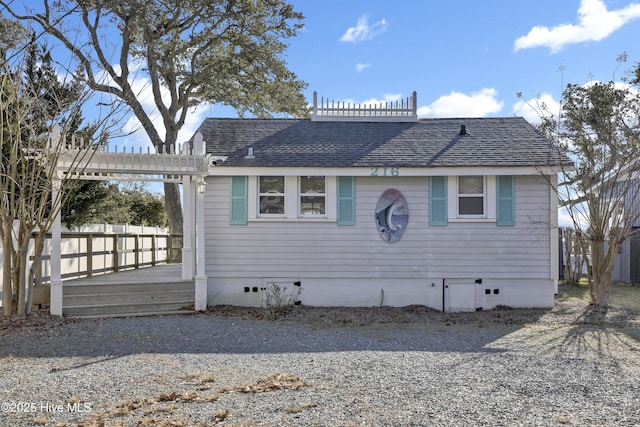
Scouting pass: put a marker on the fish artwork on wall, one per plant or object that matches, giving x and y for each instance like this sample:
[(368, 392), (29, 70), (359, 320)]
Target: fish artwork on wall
[(392, 215)]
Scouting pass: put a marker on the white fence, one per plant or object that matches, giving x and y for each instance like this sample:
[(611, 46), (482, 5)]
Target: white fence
[(102, 248)]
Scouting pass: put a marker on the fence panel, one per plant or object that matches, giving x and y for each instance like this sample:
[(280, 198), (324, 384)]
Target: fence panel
[(105, 248)]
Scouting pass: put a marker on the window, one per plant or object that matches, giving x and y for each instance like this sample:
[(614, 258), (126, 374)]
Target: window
[(271, 195), (471, 196), (312, 195), (290, 198)]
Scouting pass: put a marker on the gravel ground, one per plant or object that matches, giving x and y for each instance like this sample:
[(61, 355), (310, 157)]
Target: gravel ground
[(412, 366)]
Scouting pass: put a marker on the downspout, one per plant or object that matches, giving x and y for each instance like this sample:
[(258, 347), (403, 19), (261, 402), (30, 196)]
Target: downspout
[(443, 286)]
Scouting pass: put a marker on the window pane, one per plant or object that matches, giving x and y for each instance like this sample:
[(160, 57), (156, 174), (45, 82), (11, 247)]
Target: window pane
[(271, 204), (272, 184), (470, 185), (312, 184), (312, 205), (471, 206)]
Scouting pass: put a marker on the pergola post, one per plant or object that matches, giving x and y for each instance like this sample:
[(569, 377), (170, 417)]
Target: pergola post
[(55, 259), (187, 228), (200, 278), (201, 297)]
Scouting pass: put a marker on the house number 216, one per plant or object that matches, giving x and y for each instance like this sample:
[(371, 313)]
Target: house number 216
[(385, 171)]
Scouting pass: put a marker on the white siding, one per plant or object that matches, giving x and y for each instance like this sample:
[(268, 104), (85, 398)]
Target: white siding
[(353, 265)]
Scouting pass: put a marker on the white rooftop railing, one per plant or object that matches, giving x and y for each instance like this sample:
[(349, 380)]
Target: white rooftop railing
[(404, 110)]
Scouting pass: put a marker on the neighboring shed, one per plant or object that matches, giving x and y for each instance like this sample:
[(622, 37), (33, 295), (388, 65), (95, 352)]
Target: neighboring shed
[(372, 206)]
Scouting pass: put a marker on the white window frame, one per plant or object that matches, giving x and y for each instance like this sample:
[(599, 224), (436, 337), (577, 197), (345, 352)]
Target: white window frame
[(283, 195), (292, 201), (312, 194), (483, 195), (489, 200)]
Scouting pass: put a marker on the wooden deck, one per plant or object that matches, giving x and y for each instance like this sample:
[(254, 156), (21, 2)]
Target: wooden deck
[(165, 273), (145, 291)]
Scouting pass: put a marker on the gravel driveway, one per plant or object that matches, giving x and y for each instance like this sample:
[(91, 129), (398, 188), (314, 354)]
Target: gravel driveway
[(325, 367)]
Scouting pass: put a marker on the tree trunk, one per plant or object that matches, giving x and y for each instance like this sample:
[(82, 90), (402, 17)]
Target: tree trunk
[(7, 293), (24, 237), (600, 277), (38, 246), (601, 287), (15, 275), (173, 207)]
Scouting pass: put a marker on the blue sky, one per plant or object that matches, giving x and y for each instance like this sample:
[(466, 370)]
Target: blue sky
[(464, 58)]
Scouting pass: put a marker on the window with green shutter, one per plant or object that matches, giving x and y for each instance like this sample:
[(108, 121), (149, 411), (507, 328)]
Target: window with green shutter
[(346, 200), (238, 205), (438, 201), (505, 199)]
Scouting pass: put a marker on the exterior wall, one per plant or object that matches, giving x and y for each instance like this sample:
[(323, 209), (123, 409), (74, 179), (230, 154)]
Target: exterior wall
[(622, 269), (627, 265), (354, 266)]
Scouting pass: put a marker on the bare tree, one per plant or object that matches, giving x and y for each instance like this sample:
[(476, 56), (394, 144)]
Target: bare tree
[(30, 198), (192, 52), (574, 258), (599, 129)]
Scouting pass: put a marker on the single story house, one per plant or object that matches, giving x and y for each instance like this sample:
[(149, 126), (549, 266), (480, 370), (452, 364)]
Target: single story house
[(371, 206)]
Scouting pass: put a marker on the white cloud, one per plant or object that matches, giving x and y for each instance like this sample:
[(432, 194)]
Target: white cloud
[(385, 98), (362, 31), (595, 23), (535, 108), (392, 97), (361, 67), (457, 104)]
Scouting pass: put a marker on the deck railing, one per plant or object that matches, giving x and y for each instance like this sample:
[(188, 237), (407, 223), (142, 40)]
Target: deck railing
[(85, 254)]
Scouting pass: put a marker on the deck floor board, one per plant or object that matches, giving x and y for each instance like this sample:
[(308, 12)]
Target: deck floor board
[(168, 273)]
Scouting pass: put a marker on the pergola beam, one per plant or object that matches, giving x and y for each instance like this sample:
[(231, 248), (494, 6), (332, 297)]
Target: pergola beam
[(189, 166)]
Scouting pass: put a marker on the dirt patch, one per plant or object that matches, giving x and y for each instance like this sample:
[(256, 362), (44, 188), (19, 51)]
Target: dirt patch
[(565, 312), (38, 319)]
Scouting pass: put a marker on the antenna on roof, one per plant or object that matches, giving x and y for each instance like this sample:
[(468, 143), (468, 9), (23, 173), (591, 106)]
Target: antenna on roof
[(463, 130)]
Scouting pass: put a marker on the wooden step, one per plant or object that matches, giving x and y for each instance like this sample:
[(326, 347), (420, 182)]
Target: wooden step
[(107, 288), (137, 314), (121, 310), (126, 299), (148, 291)]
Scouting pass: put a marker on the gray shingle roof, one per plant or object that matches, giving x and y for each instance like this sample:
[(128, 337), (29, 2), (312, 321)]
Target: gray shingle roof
[(501, 142)]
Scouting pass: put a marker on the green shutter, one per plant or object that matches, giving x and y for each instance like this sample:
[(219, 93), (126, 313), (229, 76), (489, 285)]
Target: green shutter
[(505, 209), (346, 200), (438, 201), (238, 204)]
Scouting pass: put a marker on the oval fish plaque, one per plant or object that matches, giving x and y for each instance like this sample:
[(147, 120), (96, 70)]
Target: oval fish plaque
[(392, 215)]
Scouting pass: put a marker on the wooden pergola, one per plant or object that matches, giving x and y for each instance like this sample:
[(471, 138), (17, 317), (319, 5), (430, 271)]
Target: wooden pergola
[(188, 166)]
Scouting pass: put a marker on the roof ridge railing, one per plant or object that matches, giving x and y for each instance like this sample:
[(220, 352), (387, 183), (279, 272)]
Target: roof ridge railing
[(404, 110)]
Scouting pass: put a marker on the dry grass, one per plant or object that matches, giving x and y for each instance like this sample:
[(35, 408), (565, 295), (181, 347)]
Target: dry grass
[(163, 410), (221, 415), (300, 408), (202, 380), (624, 295), (277, 381)]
